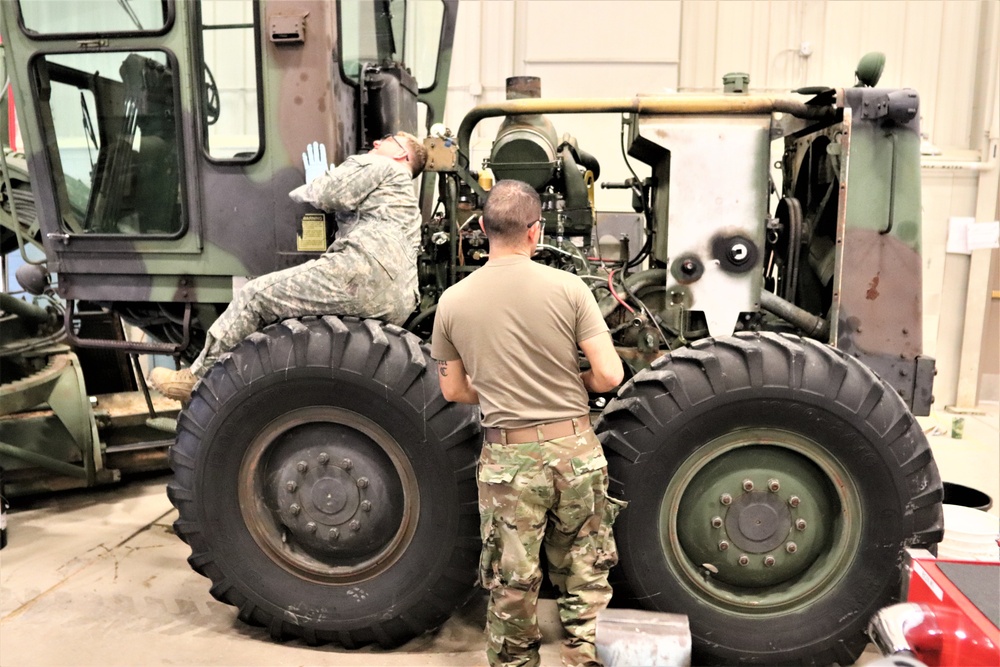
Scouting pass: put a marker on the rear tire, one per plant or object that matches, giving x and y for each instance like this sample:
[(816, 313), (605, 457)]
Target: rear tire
[(766, 578), (326, 487)]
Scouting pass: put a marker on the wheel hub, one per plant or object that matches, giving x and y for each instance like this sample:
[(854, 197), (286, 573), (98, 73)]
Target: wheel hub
[(333, 510), (758, 522), (753, 517), (327, 493)]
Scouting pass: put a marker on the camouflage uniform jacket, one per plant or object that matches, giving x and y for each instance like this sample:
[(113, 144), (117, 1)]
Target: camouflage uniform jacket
[(373, 199)]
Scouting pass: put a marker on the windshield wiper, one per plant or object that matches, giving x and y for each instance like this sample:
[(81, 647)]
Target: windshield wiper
[(127, 6), (385, 39)]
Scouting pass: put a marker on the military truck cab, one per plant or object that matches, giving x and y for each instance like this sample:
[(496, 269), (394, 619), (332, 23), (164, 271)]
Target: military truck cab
[(163, 136)]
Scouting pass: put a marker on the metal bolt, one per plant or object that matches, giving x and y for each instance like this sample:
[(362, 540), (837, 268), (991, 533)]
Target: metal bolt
[(744, 560), (346, 464), (334, 533), (324, 458), (291, 486), (311, 527), (716, 522), (769, 561), (302, 466), (773, 485), (355, 525), (791, 547), (748, 485), (726, 499), (366, 506), (801, 524), (600, 402), (294, 508), (362, 482), (723, 545), (794, 501)]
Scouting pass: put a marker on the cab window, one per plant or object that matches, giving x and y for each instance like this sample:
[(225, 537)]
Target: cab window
[(375, 31), (75, 17), (231, 101), (110, 121)]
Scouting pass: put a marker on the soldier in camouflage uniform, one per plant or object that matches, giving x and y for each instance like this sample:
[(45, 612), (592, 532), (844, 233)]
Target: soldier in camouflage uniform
[(506, 338), (369, 271)]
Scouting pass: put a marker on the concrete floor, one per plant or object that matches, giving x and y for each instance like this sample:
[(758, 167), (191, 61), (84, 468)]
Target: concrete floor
[(98, 578)]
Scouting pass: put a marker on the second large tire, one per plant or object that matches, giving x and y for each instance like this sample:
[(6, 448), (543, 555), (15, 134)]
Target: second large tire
[(326, 487), (773, 484)]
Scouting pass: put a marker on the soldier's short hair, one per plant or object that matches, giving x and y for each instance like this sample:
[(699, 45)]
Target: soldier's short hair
[(415, 149), (511, 207)]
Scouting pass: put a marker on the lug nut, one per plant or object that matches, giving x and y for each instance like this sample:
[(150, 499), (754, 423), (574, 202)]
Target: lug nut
[(355, 525), (311, 527), (723, 545), (346, 464), (800, 524), (716, 522), (294, 508), (744, 560), (773, 485), (791, 547), (726, 499), (794, 501), (748, 485), (366, 506), (290, 486), (769, 561), (302, 466), (362, 482), (334, 533), (324, 458)]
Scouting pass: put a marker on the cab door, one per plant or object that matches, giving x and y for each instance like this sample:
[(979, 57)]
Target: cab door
[(104, 104)]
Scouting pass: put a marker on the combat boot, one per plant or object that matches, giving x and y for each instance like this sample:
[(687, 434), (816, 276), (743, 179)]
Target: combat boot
[(173, 384)]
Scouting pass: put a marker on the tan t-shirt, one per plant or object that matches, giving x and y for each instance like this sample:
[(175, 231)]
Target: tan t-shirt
[(515, 325)]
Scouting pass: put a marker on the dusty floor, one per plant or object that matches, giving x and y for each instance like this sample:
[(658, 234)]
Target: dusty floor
[(98, 578)]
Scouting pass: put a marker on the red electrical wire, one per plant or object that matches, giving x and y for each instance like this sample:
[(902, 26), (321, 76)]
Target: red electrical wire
[(611, 288)]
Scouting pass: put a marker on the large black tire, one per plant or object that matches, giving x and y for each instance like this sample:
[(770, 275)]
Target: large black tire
[(838, 467), (326, 487)]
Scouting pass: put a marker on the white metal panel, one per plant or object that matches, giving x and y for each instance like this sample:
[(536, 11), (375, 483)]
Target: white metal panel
[(604, 30), (718, 188)]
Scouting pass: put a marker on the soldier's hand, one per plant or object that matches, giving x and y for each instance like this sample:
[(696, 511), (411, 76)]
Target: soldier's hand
[(314, 160)]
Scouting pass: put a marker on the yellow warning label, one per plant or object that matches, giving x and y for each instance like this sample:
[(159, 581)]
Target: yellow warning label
[(313, 236)]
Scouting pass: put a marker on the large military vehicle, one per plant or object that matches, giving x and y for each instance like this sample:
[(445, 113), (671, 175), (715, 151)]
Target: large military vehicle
[(767, 310)]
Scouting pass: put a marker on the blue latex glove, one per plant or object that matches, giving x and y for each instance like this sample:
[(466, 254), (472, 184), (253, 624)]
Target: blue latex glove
[(314, 160)]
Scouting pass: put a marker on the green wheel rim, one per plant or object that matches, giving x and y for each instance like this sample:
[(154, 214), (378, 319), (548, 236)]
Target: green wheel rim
[(760, 521), (328, 495)]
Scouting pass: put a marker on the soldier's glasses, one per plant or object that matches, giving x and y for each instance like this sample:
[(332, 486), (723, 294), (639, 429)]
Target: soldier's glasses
[(540, 222), (404, 155)]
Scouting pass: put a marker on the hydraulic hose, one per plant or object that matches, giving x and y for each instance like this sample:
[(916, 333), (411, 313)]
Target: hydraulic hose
[(813, 326)]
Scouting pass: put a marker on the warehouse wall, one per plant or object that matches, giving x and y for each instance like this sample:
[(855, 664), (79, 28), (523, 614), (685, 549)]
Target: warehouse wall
[(946, 49)]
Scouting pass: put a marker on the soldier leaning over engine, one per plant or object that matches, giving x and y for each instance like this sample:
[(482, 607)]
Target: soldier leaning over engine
[(369, 271)]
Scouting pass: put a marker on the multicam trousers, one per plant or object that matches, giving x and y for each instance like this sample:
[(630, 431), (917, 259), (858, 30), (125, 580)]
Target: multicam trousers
[(345, 281), (553, 493)]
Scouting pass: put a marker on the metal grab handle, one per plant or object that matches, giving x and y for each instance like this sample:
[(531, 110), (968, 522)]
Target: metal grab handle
[(125, 345)]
